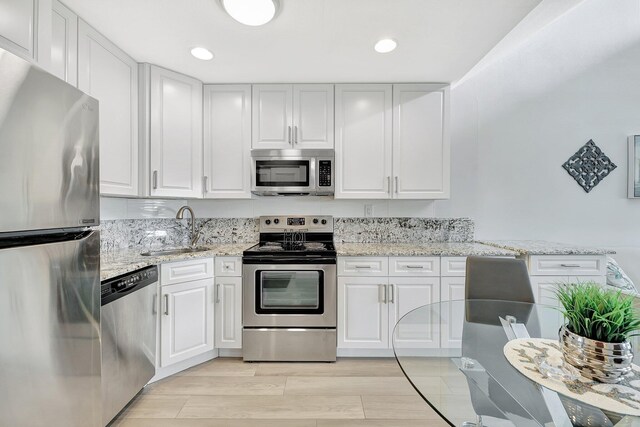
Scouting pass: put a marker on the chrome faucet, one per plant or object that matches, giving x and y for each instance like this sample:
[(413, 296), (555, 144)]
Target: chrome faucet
[(180, 215)]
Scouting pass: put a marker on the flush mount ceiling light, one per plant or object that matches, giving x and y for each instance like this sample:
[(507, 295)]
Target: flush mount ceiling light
[(385, 45), (251, 12), (202, 53)]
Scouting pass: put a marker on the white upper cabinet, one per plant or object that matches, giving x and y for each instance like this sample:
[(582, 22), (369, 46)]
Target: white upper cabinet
[(363, 141), (293, 116), (272, 116), (25, 26), (313, 116), (111, 76), (175, 134), (420, 141), (64, 43), (227, 141)]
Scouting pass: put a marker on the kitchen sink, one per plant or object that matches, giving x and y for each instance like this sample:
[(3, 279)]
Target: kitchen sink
[(174, 251)]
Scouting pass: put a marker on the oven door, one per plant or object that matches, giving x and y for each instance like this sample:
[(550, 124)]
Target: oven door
[(289, 295), (283, 175)]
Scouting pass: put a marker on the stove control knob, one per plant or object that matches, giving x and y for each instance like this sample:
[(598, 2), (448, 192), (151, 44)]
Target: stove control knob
[(315, 220), (268, 222), (276, 221), (324, 222)]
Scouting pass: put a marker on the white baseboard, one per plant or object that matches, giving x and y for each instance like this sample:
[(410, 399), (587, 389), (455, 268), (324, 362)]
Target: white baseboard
[(181, 366), (365, 352), (229, 352)]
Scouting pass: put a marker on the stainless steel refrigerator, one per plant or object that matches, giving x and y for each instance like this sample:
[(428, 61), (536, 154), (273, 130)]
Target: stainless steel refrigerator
[(49, 253)]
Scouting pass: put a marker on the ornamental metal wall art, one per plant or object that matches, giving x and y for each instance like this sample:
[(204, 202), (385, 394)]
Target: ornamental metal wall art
[(589, 166)]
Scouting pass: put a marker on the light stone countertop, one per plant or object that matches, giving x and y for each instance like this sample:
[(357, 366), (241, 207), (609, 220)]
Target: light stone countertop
[(115, 263), (421, 249), (540, 247)]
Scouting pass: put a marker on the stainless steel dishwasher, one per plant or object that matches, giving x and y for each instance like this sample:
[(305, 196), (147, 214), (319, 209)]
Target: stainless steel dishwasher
[(128, 334)]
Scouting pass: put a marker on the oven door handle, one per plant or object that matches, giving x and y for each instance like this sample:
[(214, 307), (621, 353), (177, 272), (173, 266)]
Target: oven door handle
[(280, 260)]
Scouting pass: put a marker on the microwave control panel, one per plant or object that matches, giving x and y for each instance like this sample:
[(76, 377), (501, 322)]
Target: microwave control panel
[(324, 168)]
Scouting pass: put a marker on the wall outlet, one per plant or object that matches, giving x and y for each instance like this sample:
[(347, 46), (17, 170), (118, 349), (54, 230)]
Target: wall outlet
[(368, 211)]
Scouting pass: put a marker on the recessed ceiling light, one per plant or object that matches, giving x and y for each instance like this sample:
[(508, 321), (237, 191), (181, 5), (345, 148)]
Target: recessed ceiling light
[(251, 12), (202, 53), (385, 45)]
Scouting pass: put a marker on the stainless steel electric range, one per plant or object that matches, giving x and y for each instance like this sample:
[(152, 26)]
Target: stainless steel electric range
[(289, 284)]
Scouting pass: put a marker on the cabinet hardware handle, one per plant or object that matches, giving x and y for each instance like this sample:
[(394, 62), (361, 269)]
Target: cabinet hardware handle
[(155, 180), (414, 266), (392, 293), (295, 134), (166, 304), (362, 266), (154, 310), (382, 293), (570, 265), (218, 293), (289, 130), (388, 184), (396, 185), (205, 179)]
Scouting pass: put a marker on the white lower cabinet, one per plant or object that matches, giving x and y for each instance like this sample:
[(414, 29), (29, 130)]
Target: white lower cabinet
[(370, 306), (451, 289), (409, 293), (363, 315), (545, 287), (228, 323), (186, 314)]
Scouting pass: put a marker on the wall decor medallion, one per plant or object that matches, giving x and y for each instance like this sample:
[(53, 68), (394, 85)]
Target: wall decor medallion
[(589, 166)]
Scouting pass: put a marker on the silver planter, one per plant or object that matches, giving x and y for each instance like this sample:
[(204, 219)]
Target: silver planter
[(597, 360)]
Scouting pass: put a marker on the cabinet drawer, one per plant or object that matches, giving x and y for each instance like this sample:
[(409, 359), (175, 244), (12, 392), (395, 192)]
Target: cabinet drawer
[(567, 265), (185, 271), (228, 266), (363, 266), (414, 266), (453, 266)]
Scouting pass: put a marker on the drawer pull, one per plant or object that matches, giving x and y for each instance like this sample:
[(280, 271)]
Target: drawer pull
[(570, 265), (362, 266), (414, 266)]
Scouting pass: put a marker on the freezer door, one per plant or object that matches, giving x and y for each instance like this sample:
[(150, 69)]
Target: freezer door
[(48, 150), (50, 334)]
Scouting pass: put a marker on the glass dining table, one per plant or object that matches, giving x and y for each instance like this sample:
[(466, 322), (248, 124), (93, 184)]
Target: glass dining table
[(452, 353)]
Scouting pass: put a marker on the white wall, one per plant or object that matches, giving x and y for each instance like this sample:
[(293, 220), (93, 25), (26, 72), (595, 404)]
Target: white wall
[(519, 118), (119, 208)]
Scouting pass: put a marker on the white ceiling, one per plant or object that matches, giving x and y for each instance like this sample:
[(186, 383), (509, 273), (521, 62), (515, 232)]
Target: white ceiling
[(310, 40)]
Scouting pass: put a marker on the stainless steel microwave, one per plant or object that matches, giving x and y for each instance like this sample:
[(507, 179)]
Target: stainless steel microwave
[(292, 172)]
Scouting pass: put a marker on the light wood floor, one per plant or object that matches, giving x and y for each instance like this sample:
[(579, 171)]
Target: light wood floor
[(230, 393)]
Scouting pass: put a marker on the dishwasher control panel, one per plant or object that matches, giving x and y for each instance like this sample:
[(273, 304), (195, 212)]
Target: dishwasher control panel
[(113, 289)]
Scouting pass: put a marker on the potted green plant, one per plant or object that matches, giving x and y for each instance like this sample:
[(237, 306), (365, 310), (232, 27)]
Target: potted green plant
[(595, 338)]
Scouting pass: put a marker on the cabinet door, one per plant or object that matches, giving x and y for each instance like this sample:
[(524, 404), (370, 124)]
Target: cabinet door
[(176, 134), (363, 141), (420, 141), (451, 289), (313, 116), (227, 141), (228, 322), (272, 107), (186, 327), (111, 76), (363, 314), (406, 294), (64, 43), (18, 27)]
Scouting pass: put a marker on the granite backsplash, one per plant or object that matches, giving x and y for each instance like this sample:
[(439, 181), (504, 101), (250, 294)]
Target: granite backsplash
[(403, 230), (156, 233)]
